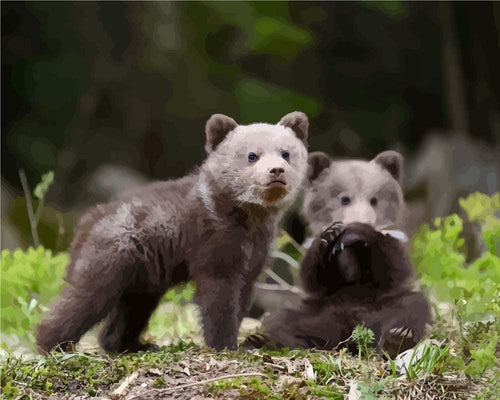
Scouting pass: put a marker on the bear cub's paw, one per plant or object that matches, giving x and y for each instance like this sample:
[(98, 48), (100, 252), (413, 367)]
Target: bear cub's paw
[(331, 233), (255, 341), (397, 340), (147, 347), (339, 236)]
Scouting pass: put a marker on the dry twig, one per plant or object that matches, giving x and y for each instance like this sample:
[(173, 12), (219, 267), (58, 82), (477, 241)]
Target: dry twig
[(187, 385), (118, 393), (29, 205)]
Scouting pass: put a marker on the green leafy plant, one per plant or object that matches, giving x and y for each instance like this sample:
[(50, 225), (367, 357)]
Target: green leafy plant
[(485, 210), (483, 357), (431, 361), (372, 390), (363, 337), (473, 287), (40, 191), (29, 281)]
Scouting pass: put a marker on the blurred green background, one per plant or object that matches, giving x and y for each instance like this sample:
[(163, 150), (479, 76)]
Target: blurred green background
[(113, 93)]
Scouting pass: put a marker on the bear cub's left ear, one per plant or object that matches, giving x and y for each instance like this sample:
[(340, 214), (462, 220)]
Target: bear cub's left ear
[(216, 129), (297, 121), (393, 162)]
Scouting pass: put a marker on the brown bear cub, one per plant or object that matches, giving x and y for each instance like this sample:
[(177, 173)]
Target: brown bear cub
[(214, 226), (355, 272)]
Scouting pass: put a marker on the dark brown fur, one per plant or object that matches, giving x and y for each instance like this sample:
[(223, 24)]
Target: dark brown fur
[(366, 283), (127, 253), (124, 287)]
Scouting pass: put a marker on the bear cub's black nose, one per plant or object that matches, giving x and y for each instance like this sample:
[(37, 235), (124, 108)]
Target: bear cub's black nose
[(277, 171)]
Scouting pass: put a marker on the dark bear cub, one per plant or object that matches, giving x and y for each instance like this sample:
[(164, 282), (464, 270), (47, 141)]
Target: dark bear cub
[(213, 226), (353, 275)]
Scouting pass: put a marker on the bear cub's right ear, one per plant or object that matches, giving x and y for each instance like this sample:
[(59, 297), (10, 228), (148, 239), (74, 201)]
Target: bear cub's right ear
[(216, 129), (298, 122), (318, 161)]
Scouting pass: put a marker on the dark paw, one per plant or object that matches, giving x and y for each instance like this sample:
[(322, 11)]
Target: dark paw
[(331, 234), (315, 342), (398, 340), (143, 347), (255, 341), (150, 347), (355, 233)]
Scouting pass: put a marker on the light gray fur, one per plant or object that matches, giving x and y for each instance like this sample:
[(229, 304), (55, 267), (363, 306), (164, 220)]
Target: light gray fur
[(359, 180)]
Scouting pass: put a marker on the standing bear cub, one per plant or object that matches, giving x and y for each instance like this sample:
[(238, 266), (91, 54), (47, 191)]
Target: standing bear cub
[(214, 226), (354, 272)]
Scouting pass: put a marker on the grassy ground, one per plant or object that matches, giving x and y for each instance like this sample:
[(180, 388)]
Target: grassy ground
[(187, 371)]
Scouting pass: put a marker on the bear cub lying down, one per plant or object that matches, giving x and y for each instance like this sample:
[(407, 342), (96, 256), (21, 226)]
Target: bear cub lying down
[(365, 276)]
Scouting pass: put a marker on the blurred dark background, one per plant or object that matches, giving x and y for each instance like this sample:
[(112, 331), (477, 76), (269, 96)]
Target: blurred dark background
[(112, 94)]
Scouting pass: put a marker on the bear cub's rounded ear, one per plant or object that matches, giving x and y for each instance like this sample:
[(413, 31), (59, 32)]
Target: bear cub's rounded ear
[(318, 161), (298, 122), (393, 162), (216, 129)]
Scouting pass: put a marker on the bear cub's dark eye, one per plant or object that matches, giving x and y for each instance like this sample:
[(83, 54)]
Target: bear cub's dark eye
[(285, 155), (345, 200), (373, 201), (252, 157)]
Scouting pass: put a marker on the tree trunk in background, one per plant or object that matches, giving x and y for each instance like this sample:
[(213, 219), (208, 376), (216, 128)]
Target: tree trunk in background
[(452, 70)]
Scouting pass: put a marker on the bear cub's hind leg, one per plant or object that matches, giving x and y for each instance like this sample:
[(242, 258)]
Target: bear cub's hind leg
[(122, 327)]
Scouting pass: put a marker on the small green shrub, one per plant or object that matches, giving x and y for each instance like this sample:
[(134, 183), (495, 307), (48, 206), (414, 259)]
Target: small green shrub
[(485, 210), (29, 281), (363, 337), (473, 287), (439, 257)]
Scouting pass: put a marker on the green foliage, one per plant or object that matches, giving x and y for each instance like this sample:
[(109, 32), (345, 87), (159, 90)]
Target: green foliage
[(225, 384), (326, 368), (483, 357), (67, 373), (431, 361), (181, 293), (267, 28), (440, 260), (42, 188), (29, 281), (176, 317), (472, 287), (324, 392), (372, 390), (485, 210), (363, 337), (159, 382), (267, 100), (479, 206), (397, 10), (253, 388), (57, 373)]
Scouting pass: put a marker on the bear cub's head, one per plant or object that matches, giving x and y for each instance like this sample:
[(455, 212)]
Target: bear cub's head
[(259, 164), (350, 191)]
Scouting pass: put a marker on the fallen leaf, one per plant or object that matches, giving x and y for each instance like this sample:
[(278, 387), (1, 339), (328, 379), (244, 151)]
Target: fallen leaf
[(309, 370), (155, 371), (354, 393)]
